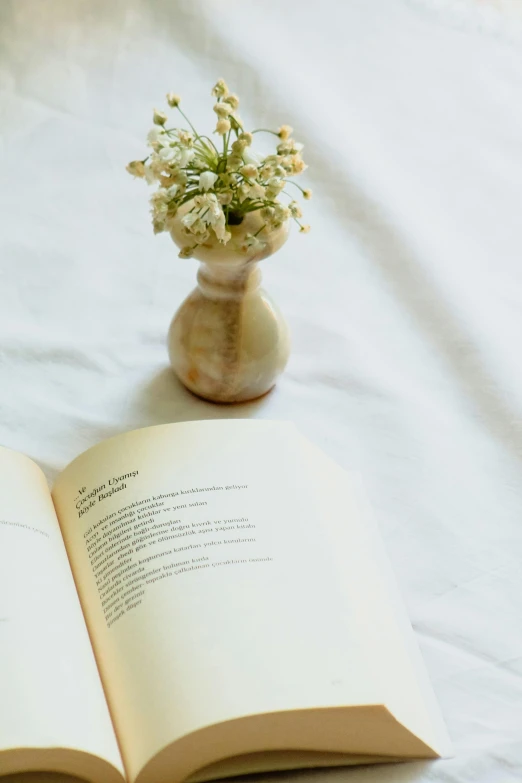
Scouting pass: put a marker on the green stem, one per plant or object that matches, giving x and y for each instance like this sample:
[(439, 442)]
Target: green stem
[(226, 138), (290, 182), (265, 130), (189, 122)]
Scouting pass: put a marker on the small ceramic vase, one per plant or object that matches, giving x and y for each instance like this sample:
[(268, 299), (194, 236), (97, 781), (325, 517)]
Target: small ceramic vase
[(228, 341)]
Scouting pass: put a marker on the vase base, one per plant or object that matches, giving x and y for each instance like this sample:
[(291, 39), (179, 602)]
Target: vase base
[(222, 397)]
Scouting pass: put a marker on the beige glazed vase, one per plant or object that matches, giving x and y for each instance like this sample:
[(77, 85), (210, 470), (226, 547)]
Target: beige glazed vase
[(228, 341)]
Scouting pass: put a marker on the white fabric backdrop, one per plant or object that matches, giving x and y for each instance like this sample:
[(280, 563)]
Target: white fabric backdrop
[(405, 301)]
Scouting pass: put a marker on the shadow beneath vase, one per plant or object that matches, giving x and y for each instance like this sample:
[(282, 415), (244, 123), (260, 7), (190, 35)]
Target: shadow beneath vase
[(164, 399)]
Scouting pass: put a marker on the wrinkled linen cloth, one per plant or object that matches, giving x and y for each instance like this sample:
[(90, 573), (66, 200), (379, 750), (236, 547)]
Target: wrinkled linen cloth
[(404, 301)]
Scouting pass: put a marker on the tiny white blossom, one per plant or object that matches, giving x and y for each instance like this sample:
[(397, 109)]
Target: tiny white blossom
[(307, 194), (159, 117), (284, 132), (304, 229), (207, 180), (186, 252), (252, 244), (239, 145), (168, 153), (243, 192), (257, 191), (222, 109), (185, 138), (249, 171), (220, 89), (266, 171), (150, 176), (281, 214), (295, 209), (225, 197), (136, 168), (233, 100), (185, 156), (155, 135), (274, 187), (223, 126), (298, 165), (290, 147), (173, 100), (234, 163)]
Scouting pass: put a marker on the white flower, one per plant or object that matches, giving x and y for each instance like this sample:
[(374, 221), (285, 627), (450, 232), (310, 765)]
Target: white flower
[(223, 126), (169, 153), (186, 139), (307, 194), (179, 177), (220, 231), (155, 136), (249, 171), (266, 171), (225, 197), (220, 89), (199, 227), (257, 191), (208, 201), (190, 218), (284, 132), (243, 192), (207, 180), (252, 244), (281, 214), (185, 156), (186, 252), (159, 117), (136, 168), (222, 109), (298, 165), (172, 191), (173, 100), (160, 196), (150, 176), (199, 163), (227, 179), (233, 100), (274, 187), (234, 163), (239, 145), (304, 229), (295, 209), (290, 147), (236, 120)]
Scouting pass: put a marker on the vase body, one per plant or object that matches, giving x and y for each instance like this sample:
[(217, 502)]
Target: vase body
[(228, 342)]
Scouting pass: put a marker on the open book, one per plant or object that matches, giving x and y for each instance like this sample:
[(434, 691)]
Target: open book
[(200, 600)]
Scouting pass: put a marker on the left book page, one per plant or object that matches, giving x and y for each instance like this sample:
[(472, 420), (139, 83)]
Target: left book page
[(53, 712)]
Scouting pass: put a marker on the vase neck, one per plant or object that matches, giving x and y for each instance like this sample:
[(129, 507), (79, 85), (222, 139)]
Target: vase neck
[(228, 281)]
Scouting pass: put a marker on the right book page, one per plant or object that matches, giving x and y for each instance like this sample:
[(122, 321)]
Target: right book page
[(234, 601)]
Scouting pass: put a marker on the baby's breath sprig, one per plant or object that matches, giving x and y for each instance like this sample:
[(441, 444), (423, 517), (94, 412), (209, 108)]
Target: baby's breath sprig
[(222, 185)]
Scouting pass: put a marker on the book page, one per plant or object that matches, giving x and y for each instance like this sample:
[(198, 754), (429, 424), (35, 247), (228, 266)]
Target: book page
[(208, 584), (51, 696)]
